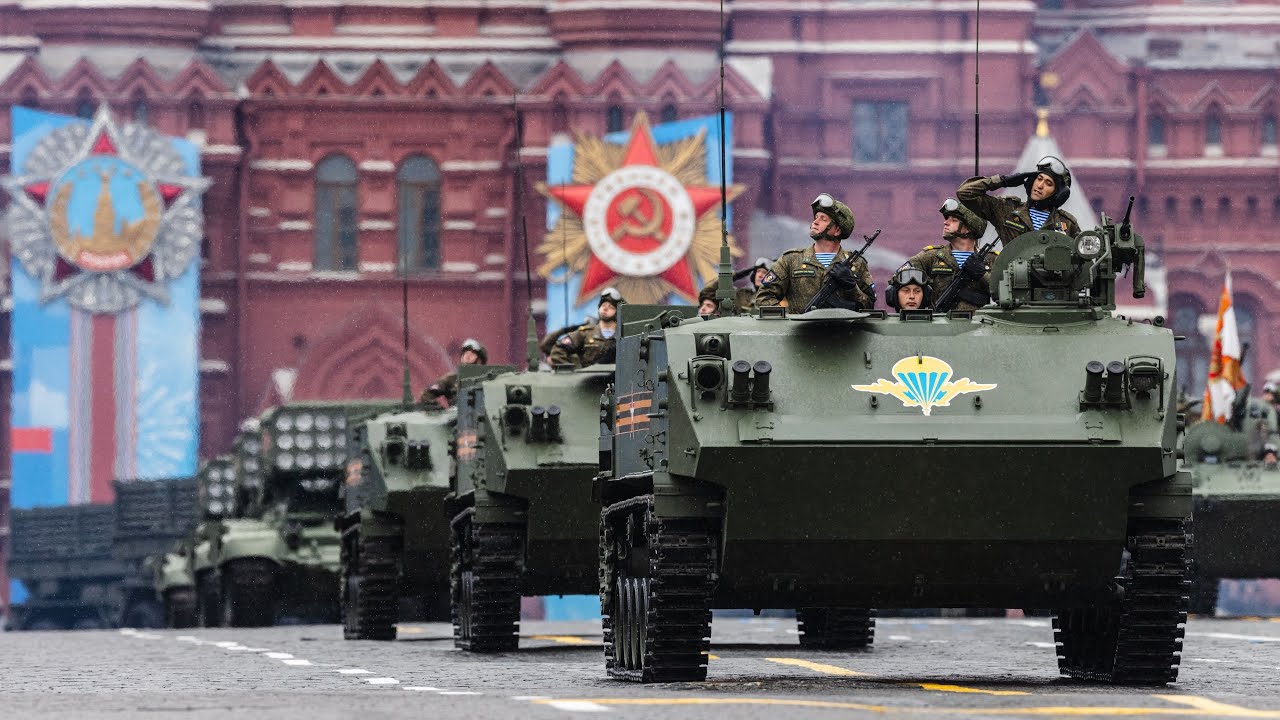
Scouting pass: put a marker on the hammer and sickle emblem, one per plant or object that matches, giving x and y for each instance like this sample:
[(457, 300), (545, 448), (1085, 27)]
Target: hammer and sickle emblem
[(634, 222)]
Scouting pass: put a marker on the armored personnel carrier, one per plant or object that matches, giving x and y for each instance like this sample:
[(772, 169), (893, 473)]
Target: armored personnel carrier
[(834, 461), (395, 536), (1237, 500), (522, 517)]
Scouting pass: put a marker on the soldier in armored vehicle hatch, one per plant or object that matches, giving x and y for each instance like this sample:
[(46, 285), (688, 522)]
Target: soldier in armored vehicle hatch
[(1048, 187), (445, 390), (957, 260), (909, 290), (591, 344), (798, 275)]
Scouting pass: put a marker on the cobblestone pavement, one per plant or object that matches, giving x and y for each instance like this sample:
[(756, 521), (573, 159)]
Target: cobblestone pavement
[(954, 668)]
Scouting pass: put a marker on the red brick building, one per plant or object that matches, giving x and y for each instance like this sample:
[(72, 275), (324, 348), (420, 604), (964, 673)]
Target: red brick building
[(345, 139)]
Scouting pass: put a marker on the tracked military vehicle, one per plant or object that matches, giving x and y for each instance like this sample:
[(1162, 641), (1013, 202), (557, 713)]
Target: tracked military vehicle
[(151, 516), (522, 517), (217, 481), (1237, 500), (395, 536), (835, 461)]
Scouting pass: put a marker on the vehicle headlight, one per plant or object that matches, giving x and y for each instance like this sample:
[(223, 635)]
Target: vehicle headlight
[(323, 423), (340, 422), (304, 422), (306, 461), (285, 442), (216, 490), (284, 423), (340, 441), (1089, 246), (284, 461), (305, 442), (324, 442), (216, 508), (325, 459)]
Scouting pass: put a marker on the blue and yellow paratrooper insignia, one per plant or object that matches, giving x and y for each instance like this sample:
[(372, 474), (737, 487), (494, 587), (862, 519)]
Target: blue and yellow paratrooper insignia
[(924, 382)]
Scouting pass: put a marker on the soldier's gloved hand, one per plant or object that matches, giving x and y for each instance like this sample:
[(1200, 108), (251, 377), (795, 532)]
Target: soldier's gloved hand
[(974, 267), (842, 275), (1017, 179)]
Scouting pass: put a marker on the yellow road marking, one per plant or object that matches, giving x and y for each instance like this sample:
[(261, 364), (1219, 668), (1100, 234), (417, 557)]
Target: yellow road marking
[(566, 639), (962, 689), (816, 667), (712, 657), (1209, 709), (411, 630)]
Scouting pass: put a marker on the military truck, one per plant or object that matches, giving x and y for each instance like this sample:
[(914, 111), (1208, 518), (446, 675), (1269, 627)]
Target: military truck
[(1237, 499), (286, 563), (395, 536), (834, 461), (150, 517), (523, 521), (65, 558)]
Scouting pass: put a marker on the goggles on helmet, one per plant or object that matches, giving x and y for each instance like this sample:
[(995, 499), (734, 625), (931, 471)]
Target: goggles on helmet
[(1053, 165), (824, 201), (471, 344), (907, 276), (611, 294), (950, 206), (763, 262)]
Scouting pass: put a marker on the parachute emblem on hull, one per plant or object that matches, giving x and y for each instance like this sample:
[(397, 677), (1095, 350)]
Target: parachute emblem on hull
[(925, 382)]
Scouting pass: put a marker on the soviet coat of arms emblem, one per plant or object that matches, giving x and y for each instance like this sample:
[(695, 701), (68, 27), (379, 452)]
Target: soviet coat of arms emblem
[(104, 215)]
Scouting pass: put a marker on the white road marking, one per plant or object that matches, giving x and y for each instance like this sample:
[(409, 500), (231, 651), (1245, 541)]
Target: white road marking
[(899, 637), (1233, 636), (420, 688), (296, 661), (382, 681), (578, 706), (355, 671), (460, 692), (226, 644), (531, 697), (1046, 645), (257, 650), (278, 656)]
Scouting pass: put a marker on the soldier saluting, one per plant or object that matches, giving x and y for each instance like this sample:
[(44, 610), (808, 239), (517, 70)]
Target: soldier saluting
[(798, 275), (1048, 187), (957, 260), (445, 390)]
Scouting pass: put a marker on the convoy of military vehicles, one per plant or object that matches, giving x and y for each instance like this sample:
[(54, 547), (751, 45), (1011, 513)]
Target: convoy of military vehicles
[(830, 462)]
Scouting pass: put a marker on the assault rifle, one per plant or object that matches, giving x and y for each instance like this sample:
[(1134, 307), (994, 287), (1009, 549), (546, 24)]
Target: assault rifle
[(951, 294), (829, 285)]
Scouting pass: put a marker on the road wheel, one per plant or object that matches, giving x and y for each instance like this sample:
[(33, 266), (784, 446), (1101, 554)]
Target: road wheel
[(487, 560), (656, 581), (180, 608), (249, 593), (836, 628)]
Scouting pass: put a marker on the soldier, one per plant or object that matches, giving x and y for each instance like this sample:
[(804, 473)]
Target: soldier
[(591, 344), (1048, 187), (908, 290), (548, 341), (943, 264), (798, 275), (445, 390)]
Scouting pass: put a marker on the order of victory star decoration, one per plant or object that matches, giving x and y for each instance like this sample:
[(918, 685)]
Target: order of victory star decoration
[(641, 217), (104, 215)]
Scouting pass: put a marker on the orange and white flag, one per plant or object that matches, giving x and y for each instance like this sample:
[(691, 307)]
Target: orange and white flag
[(1225, 377)]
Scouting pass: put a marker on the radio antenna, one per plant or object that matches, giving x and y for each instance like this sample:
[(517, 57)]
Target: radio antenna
[(977, 31), (531, 349), (407, 389), (724, 285)]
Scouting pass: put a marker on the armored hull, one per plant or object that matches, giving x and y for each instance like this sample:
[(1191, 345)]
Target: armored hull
[(523, 520)]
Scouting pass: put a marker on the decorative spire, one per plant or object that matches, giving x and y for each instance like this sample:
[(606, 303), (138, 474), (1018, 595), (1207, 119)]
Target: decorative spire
[(1042, 122)]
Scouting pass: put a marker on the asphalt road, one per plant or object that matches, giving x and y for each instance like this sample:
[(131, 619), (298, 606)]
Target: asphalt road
[(952, 668)]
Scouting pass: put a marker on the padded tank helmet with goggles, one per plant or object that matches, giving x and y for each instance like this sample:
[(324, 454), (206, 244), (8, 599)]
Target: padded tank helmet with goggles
[(839, 213), (474, 346), (1055, 168), (954, 208), (908, 276), (610, 295)]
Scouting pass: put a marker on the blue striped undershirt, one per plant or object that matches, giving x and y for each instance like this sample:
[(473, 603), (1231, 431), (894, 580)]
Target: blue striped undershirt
[(961, 255), (825, 258), (1038, 217)]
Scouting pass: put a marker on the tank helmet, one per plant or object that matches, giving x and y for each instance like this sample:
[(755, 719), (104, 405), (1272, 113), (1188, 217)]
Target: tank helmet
[(908, 275), (839, 213), (956, 209), (474, 346), (610, 295), (1055, 168)]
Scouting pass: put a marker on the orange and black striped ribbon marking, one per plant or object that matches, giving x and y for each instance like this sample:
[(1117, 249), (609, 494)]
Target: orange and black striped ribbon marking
[(467, 444), (632, 414)]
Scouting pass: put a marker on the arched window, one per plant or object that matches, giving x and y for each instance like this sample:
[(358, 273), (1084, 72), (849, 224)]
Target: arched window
[(670, 113), (195, 113), (337, 217), (1269, 131), (139, 108), (613, 119), (1193, 353), (1155, 131), (85, 105), (418, 193), (1213, 128)]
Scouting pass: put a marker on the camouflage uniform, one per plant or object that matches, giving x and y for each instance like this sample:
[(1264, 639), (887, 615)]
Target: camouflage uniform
[(1009, 214), (745, 298), (797, 276), (941, 269), (548, 342), (582, 347), (446, 387)]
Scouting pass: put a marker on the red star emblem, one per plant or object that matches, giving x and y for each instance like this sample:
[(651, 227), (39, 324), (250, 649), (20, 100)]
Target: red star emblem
[(638, 219)]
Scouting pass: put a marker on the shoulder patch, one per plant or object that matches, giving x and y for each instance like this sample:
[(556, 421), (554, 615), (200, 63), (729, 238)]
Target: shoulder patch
[(769, 277), (932, 247)]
